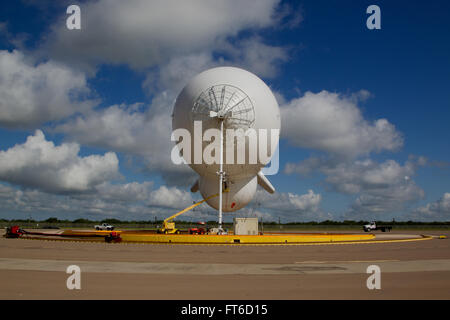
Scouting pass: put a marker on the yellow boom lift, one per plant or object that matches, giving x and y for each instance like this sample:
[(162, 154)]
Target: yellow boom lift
[(169, 225)]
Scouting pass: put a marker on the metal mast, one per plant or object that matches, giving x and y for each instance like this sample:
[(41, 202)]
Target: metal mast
[(221, 173)]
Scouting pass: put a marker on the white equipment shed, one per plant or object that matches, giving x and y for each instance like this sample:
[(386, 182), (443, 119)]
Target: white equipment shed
[(245, 226)]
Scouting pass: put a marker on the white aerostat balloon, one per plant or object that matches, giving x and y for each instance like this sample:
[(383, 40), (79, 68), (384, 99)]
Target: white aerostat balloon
[(242, 102)]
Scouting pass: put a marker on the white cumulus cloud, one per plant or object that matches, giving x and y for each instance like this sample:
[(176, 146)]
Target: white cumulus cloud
[(435, 211), (40, 164), (333, 123), (384, 187), (144, 33), (170, 198), (31, 95), (138, 132), (290, 201), (287, 205)]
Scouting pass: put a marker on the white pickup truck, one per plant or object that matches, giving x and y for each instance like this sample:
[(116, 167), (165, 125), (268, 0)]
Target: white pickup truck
[(104, 226), (373, 226)]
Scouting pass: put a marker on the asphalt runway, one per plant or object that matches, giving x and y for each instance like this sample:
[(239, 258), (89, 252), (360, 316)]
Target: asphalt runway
[(36, 269)]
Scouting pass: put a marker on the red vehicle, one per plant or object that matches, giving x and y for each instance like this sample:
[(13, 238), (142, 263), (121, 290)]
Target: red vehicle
[(14, 232), (198, 230)]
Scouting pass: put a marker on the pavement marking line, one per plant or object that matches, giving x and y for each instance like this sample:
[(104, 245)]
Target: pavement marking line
[(221, 268), (345, 261)]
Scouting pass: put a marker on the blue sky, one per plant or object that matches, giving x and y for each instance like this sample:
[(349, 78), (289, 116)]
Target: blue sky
[(116, 80)]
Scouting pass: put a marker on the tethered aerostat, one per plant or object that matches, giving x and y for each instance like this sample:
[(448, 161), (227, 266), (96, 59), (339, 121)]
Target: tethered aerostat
[(229, 121)]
